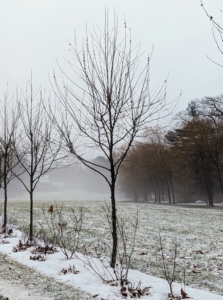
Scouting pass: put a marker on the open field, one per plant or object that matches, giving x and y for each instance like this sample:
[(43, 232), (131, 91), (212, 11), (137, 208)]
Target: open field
[(198, 230)]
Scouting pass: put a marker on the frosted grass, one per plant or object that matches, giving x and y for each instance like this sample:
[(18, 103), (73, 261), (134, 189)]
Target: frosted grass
[(199, 230)]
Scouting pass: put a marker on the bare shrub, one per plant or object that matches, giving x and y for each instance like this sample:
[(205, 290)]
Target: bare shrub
[(62, 230), (22, 246), (7, 229), (96, 256), (44, 237), (168, 256), (25, 235)]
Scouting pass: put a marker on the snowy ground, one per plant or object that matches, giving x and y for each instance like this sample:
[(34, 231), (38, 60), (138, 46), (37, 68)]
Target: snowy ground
[(86, 281), (19, 282), (199, 232)]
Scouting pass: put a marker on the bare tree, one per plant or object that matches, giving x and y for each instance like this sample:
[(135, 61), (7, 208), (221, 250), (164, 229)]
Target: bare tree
[(212, 107), (217, 31), (38, 149), (169, 265), (107, 103), (9, 119)]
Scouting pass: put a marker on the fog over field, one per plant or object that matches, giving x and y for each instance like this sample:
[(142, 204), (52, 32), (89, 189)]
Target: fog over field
[(69, 183)]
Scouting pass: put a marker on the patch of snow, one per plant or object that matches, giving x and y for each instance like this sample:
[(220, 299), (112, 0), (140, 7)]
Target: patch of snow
[(89, 283)]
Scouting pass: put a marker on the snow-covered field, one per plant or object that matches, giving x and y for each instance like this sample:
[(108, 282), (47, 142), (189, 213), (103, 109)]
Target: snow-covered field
[(198, 231)]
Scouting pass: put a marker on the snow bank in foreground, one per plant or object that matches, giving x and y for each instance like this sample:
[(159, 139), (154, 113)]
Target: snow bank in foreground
[(89, 283)]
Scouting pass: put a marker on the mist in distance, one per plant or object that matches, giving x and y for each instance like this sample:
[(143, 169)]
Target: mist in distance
[(73, 182)]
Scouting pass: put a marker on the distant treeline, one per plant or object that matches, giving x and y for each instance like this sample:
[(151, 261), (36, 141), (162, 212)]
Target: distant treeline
[(182, 164)]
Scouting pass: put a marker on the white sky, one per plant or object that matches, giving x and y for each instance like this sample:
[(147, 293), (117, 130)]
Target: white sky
[(34, 34)]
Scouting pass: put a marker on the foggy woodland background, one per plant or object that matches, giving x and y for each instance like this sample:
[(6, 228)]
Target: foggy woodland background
[(181, 164)]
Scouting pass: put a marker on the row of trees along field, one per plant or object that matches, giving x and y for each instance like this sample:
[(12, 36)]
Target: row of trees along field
[(105, 102), (104, 105), (29, 145), (182, 164)]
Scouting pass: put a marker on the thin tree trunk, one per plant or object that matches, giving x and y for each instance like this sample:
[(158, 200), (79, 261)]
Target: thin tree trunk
[(210, 199), (220, 178), (172, 189), (210, 194), (31, 181), (5, 203), (5, 195), (168, 191), (114, 227), (155, 194), (216, 163), (31, 210), (135, 196), (31, 217), (209, 187), (158, 191), (162, 196)]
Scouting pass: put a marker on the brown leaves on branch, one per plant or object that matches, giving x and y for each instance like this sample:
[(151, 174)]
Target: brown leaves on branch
[(183, 294), (70, 269), (50, 210)]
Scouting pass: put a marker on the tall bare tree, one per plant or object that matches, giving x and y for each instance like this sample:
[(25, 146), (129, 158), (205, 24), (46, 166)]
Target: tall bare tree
[(38, 149), (107, 103), (9, 121)]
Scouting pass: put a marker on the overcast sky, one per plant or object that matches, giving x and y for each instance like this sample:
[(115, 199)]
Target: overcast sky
[(34, 34)]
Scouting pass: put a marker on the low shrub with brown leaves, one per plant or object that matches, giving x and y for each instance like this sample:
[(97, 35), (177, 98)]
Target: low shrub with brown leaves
[(4, 241), (130, 290), (44, 249), (70, 269), (22, 246), (174, 297), (6, 231), (38, 257), (184, 295)]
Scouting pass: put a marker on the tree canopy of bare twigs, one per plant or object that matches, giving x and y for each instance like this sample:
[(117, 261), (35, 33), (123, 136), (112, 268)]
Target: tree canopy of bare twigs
[(217, 30), (212, 107), (107, 103)]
